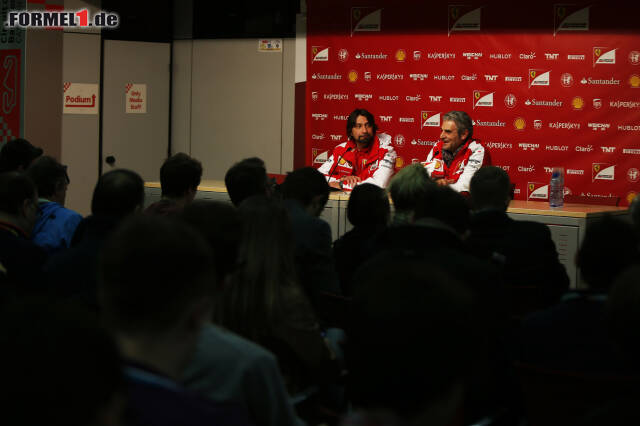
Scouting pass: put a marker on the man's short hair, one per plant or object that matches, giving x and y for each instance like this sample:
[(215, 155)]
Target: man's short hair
[(490, 187), (48, 175), (599, 264), (17, 154), (179, 174), (117, 193), (462, 120), (15, 187), (305, 184), (368, 206), (351, 120), (246, 178), (446, 205), (153, 269), (409, 185), (221, 226), (424, 300)]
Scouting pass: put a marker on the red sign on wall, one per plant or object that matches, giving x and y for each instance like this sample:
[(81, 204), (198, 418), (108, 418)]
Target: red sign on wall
[(546, 85)]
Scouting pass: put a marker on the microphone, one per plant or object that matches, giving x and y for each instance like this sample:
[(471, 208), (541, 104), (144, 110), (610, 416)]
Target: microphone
[(338, 162)]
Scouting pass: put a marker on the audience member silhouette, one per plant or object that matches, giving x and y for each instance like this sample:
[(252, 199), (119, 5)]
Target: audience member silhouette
[(21, 261), (265, 302), (572, 335), (522, 249), (56, 225), (227, 367), (17, 154), (179, 179), (407, 187), (413, 345), (246, 178), (305, 192), (73, 273), (157, 315), (623, 315), (58, 367), (368, 211)]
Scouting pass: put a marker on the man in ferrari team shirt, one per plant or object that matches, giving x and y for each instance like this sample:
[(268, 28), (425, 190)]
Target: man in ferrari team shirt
[(457, 156), (366, 157)]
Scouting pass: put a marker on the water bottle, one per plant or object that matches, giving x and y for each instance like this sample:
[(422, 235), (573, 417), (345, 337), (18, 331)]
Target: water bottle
[(556, 187)]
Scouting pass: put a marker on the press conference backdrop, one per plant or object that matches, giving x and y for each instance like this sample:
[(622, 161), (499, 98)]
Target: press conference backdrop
[(546, 84)]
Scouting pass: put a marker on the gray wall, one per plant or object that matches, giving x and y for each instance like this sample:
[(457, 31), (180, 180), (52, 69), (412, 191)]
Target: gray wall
[(241, 103)]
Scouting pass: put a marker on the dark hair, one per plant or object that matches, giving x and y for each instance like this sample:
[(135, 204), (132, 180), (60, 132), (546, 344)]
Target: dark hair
[(304, 184), (462, 120), (410, 185), (598, 261), (17, 154), (179, 174), (117, 193), (75, 364), (48, 175), (246, 178), (446, 205), (221, 226), (490, 187), (254, 302), (424, 300), (351, 120), (15, 187), (138, 298), (368, 206)]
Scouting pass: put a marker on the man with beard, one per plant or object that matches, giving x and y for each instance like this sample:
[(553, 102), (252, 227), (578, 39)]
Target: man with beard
[(366, 157)]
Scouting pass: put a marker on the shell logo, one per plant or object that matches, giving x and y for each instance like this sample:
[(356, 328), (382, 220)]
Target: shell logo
[(401, 55), (353, 76), (577, 103), (399, 162), (634, 81), (519, 123), (631, 196)]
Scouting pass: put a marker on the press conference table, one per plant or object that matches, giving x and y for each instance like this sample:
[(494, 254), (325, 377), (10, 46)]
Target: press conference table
[(567, 224)]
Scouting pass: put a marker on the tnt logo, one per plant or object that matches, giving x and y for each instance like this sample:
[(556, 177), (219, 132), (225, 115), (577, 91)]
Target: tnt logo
[(435, 98), (491, 77), (386, 118)]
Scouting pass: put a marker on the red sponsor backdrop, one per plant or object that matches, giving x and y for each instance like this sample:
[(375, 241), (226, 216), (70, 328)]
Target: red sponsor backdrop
[(546, 84)]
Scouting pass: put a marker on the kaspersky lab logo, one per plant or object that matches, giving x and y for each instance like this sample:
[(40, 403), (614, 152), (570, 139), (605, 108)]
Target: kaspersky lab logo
[(60, 19)]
